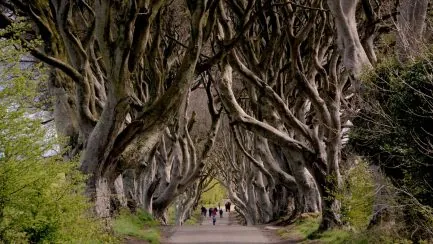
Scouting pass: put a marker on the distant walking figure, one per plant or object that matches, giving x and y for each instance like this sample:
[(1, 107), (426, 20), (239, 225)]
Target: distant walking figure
[(210, 212), (228, 204), (214, 213), (221, 212), (203, 211)]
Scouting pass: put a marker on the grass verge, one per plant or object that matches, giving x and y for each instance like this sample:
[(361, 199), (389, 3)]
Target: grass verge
[(140, 225), (301, 229), (304, 230)]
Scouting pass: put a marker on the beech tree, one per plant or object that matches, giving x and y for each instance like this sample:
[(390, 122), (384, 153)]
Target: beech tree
[(184, 161), (299, 103), (287, 74), (36, 189), (411, 24), (122, 81), (188, 202), (300, 106), (258, 196), (353, 54)]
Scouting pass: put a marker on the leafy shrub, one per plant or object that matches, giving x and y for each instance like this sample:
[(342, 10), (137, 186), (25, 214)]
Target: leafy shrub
[(146, 218), (41, 198), (140, 225), (394, 131), (358, 196)]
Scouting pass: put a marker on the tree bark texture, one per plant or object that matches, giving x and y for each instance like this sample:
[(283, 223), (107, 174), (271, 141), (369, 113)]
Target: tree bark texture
[(306, 93), (103, 48), (354, 57), (410, 28)]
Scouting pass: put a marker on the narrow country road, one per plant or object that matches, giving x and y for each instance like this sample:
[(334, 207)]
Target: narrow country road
[(226, 230)]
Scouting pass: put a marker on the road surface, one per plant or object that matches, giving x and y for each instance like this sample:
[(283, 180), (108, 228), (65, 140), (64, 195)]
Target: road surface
[(225, 231)]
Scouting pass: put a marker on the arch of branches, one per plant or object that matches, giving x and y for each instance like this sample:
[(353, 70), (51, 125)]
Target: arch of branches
[(158, 97)]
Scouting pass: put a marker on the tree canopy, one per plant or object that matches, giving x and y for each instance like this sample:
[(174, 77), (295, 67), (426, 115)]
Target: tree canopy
[(159, 98)]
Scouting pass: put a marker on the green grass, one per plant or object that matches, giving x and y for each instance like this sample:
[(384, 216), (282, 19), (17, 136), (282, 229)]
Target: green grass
[(307, 226), (304, 230), (140, 225), (301, 229), (379, 235), (357, 201), (336, 236)]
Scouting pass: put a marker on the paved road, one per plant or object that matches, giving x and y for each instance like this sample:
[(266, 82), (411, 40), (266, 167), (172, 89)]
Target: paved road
[(225, 231)]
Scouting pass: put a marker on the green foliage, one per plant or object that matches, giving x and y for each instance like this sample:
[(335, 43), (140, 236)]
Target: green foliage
[(195, 218), (305, 230), (304, 227), (41, 198), (215, 195), (377, 236), (395, 132), (336, 236), (340, 236), (140, 225), (358, 196), (171, 215), (307, 225)]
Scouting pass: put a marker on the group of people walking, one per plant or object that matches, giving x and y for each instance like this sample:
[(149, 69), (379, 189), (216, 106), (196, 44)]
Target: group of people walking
[(213, 212)]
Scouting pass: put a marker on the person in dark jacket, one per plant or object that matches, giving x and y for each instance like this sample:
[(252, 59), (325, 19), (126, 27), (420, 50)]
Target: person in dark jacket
[(228, 204), (203, 211), (214, 214)]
